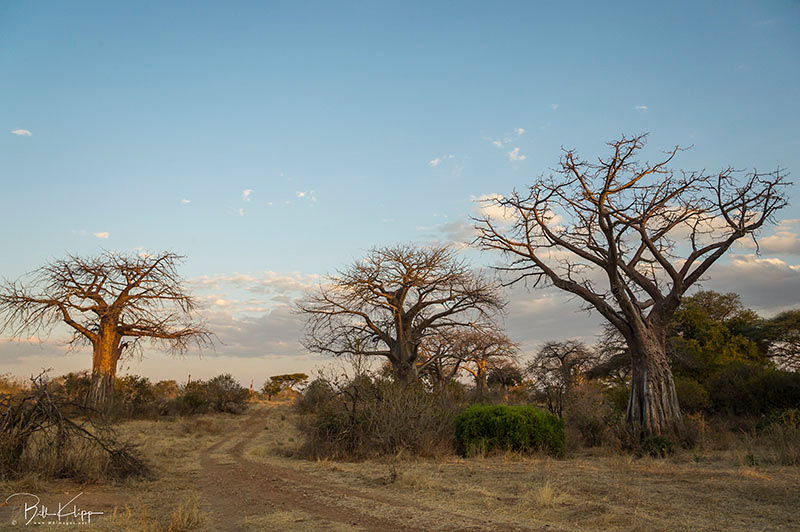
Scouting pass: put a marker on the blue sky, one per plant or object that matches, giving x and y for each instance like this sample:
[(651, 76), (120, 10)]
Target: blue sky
[(353, 125)]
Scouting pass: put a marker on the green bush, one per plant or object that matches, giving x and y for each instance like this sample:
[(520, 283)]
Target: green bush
[(483, 429), (692, 397), (225, 394), (749, 389), (317, 394)]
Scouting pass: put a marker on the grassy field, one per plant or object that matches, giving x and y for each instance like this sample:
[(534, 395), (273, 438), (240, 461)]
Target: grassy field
[(226, 472)]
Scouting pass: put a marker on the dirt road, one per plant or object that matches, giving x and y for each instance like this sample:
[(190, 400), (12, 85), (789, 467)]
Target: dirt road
[(244, 494)]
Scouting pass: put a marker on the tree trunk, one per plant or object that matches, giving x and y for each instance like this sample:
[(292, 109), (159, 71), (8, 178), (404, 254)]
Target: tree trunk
[(405, 372), (104, 373), (404, 362), (653, 403)]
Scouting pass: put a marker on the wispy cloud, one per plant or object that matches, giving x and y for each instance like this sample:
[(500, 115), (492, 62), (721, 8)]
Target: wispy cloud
[(185, 201), (554, 106), (246, 194), (498, 143), (307, 195), (515, 155), (21, 132), (101, 234), (520, 131), (242, 212), (438, 160), (641, 108)]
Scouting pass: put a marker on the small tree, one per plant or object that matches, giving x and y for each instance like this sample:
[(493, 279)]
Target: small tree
[(385, 304), (277, 383), (557, 367), (112, 302), (630, 239)]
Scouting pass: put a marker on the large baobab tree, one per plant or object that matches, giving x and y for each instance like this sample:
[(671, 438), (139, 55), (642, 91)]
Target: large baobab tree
[(629, 239), (386, 303), (111, 302)]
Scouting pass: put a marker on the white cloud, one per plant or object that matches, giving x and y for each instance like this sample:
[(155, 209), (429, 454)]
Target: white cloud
[(101, 234), (246, 194), (242, 212), (21, 132), (185, 201), (767, 284), (306, 195), (554, 106), (435, 162), (487, 206), (514, 155), (785, 239), (519, 131), (641, 108), (498, 143)]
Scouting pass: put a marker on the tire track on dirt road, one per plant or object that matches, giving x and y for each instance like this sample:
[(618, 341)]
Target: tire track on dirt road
[(236, 487)]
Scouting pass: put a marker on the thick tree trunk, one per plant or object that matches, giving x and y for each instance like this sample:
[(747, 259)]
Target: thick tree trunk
[(404, 362), (404, 372), (104, 373), (653, 403)]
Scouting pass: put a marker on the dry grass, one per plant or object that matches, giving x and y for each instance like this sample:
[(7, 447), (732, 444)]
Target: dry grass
[(713, 488)]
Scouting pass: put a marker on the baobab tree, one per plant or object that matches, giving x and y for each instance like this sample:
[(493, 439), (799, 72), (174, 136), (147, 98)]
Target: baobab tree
[(557, 367), (112, 302), (629, 239), (483, 349), (386, 303)]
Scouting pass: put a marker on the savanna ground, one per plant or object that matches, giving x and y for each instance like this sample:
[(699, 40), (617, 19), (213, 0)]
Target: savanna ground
[(228, 473)]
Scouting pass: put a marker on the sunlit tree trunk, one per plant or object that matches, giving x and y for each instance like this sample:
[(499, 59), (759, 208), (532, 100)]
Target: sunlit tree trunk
[(106, 354)]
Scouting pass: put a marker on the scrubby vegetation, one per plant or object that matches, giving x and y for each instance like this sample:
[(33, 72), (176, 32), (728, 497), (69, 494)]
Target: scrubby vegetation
[(482, 429), (46, 433)]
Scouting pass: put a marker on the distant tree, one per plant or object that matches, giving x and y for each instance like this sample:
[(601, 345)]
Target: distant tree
[(630, 239), (277, 383), (112, 302), (483, 350), (784, 339), (557, 367), (271, 388), (386, 304), (439, 362), (505, 376)]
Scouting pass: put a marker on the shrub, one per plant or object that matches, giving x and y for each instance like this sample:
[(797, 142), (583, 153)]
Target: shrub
[(589, 411), (317, 394), (134, 397), (692, 397), (225, 394), (787, 418), (369, 417), (483, 429), (49, 434), (749, 389), (656, 446), (617, 396)]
